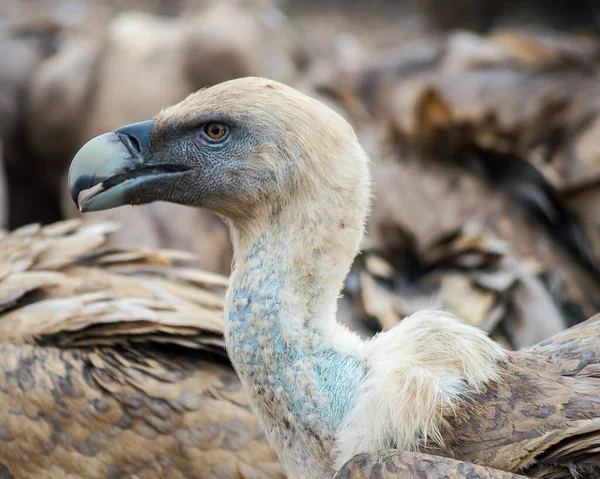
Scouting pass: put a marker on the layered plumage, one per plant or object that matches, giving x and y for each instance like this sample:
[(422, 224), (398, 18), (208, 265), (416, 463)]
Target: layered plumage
[(292, 180), (414, 465), (543, 416), (113, 364)]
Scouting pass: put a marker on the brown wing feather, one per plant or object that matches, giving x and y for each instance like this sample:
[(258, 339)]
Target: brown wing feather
[(106, 413), (542, 419), (113, 364), (412, 465), (575, 351)]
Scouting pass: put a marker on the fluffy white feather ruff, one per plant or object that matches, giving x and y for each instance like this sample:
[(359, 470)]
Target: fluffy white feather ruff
[(418, 371)]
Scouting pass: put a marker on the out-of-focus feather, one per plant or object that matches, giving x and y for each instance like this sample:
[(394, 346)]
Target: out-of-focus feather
[(84, 90), (469, 272), (113, 363), (500, 130)]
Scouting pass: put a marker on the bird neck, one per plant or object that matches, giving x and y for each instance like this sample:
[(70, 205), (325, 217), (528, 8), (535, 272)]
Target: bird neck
[(282, 336)]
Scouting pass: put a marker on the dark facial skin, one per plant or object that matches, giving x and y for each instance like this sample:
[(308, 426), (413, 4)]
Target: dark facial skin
[(214, 163), (217, 167), (269, 144)]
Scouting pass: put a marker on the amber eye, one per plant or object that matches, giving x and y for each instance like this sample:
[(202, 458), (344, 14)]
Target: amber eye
[(215, 131)]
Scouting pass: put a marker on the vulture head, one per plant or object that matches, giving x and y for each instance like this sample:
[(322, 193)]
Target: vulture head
[(249, 149)]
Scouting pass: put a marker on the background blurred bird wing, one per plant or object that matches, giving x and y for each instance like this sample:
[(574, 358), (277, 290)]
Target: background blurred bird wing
[(113, 363), (105, 412), (60, 286)]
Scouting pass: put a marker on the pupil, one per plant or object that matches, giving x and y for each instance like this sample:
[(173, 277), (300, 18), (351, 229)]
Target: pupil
[(215, 130)]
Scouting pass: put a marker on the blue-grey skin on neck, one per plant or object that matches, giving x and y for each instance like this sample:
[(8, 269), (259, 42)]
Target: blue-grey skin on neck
[(300, 382)]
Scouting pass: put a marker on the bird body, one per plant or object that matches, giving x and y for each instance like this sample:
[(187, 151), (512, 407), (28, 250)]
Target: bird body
[(289, 176), (113, 364), (542, 416)]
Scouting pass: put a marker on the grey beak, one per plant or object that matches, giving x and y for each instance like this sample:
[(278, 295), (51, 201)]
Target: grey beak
[(109, 165)]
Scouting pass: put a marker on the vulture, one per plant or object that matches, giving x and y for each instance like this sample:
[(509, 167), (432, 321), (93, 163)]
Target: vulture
[(292, 181), (113, 364)]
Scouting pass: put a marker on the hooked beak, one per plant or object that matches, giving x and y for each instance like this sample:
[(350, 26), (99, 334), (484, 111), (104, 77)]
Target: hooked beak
[(112, 170)]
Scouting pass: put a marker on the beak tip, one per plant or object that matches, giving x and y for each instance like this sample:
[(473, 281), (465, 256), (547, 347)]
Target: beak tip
[(104, 157)]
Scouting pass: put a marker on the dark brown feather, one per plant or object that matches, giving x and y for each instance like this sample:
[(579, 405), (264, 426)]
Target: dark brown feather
[(543, 418), (412, 465)]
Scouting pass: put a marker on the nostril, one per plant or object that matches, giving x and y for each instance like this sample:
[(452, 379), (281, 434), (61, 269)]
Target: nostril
[(136, 137), (134, 143)]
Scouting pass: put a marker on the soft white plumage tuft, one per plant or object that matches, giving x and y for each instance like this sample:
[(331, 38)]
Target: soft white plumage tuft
[(417, 372)]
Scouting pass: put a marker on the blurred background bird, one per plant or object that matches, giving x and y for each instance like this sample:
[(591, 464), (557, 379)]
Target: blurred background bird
[(481, 119)]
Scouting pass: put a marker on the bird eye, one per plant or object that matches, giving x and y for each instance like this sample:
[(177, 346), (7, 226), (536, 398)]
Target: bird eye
[(215, 131)]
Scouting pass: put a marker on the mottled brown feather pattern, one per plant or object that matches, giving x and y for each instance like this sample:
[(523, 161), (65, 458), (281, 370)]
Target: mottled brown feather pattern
[(543, 417), (413, 465), (113, 365)]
